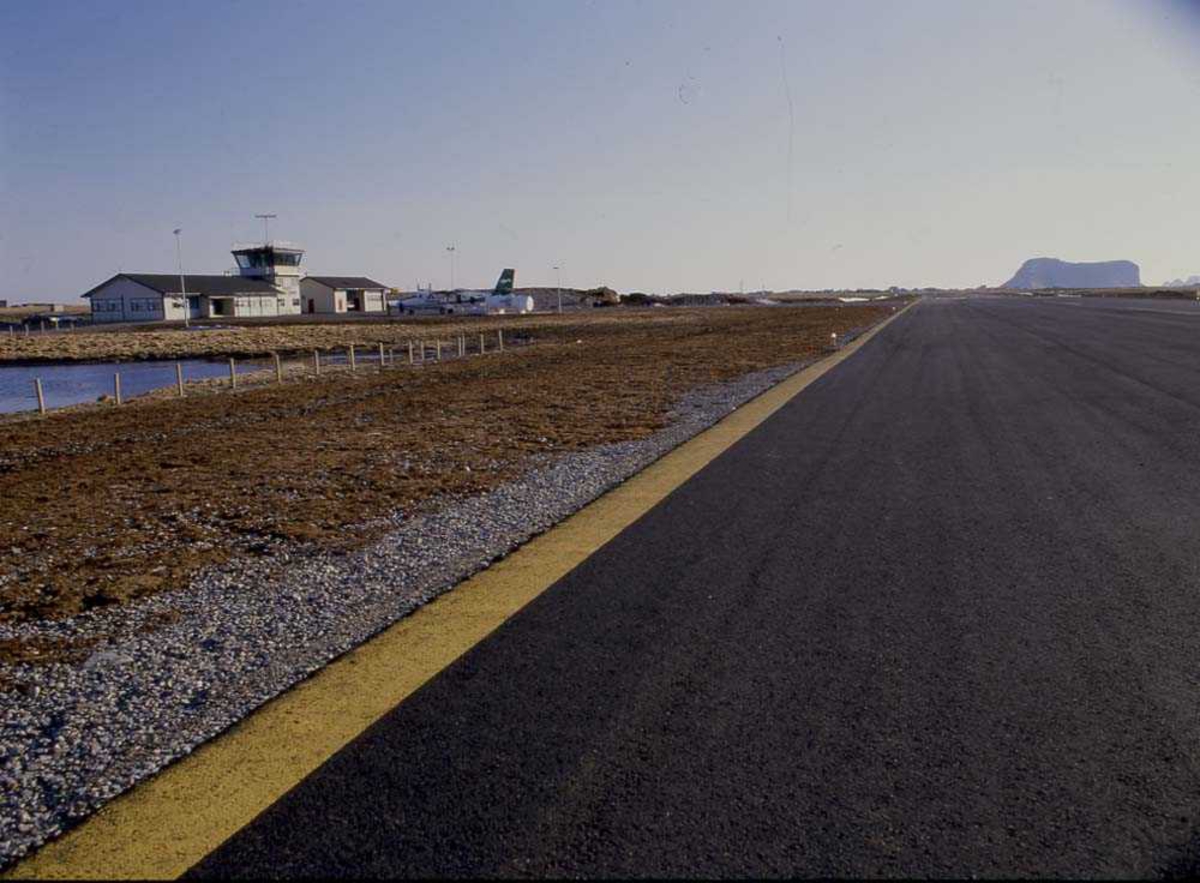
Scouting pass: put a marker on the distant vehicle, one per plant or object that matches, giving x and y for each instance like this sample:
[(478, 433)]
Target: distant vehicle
[(500, 299)]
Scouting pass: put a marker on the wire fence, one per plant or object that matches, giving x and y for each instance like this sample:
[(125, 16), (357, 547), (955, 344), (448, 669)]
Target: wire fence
[(43, 393)]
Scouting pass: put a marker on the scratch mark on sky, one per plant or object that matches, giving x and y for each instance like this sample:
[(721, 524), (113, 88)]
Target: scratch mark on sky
[(787, 91)]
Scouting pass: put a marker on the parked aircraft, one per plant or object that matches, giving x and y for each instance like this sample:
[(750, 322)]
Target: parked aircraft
[(500, 299)]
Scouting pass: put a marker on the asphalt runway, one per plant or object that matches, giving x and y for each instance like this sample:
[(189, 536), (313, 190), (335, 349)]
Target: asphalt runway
[(938, 616)]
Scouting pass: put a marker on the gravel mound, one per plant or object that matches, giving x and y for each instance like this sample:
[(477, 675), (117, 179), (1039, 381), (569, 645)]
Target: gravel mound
[(163, 675)]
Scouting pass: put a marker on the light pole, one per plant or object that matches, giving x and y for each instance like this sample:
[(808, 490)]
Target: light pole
[(451, 249), (187, 310), (266, 219), (558, 270)]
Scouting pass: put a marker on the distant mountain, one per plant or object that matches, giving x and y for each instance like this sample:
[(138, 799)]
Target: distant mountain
[(1053, 273), (1183, 283)]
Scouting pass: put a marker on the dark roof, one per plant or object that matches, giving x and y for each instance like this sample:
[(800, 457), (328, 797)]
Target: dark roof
[(346, 281), (168, 283)]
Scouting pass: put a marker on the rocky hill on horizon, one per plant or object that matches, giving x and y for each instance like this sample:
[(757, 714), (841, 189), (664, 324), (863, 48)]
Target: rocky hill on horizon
[(1055, 273)]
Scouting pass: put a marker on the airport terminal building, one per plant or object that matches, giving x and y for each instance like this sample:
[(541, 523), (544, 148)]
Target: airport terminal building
[(267, 283)]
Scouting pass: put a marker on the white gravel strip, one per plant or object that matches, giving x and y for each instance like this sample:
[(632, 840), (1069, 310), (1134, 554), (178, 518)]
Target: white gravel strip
[(76, 735)]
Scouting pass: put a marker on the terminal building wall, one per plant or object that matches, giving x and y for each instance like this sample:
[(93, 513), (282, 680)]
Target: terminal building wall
[(124, 300)]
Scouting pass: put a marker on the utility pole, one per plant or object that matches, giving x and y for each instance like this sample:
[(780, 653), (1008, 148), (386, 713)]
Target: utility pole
[(451, 250), (558, 270), (187, 310), (266, 219)]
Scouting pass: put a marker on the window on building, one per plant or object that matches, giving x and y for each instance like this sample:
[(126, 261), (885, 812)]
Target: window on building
[(251, 259)]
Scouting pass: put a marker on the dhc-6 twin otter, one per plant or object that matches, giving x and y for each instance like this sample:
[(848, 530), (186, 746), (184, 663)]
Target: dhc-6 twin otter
[(499, 300)]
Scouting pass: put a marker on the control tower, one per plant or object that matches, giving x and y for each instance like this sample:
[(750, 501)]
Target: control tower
[(276, 262)]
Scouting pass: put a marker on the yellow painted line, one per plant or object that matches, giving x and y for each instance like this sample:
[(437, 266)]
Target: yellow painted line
[(168, 823)]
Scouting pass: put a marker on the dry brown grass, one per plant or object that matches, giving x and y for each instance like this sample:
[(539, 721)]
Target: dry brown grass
[(101, 505), (157, 342)]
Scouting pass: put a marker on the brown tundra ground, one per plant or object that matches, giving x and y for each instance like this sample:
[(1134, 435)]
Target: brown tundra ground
[(99, 504)]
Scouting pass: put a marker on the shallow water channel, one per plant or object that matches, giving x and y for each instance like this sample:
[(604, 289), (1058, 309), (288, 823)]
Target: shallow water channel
[(72, 383)]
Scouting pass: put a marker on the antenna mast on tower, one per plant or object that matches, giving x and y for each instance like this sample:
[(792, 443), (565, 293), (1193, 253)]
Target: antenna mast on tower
[(266, 219)]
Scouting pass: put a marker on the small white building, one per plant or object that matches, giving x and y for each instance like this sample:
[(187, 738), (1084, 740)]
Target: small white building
[(267, 284), (343, 294), (157, 297)]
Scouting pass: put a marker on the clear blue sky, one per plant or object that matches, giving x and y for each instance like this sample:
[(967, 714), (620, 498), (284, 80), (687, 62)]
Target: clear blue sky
[(645, 145)]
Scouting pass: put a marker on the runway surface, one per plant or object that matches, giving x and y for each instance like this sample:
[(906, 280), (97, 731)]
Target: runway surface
[(940, 615)]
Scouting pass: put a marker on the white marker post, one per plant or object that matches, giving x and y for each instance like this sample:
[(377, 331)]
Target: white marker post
[(37, 388), (278, 368), (179, 378), (232, 374), (117, 387)]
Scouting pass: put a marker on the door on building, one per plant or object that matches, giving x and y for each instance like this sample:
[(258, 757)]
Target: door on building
[(193, 307), (312, 305)]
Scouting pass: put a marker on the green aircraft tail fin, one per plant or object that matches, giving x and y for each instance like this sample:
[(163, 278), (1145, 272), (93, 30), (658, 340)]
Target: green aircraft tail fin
[(505, 284)]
